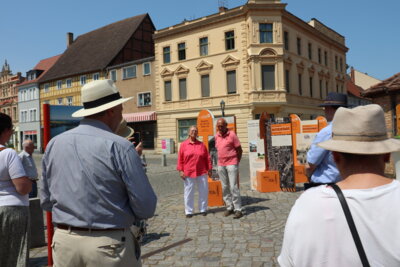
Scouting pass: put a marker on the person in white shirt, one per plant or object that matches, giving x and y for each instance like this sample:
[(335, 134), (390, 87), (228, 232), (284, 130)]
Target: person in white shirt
[(29, 165), (317, 232)]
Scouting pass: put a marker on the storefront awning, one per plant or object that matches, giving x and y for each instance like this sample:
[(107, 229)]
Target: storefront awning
[(140, 116)]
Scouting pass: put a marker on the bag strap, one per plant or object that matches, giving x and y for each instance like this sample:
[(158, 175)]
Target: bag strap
[(352, 226)]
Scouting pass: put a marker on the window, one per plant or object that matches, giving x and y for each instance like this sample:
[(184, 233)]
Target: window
[(287, 80), (266, 33), (95, 76), (113, 75), (168, 90), (319, 55), (341, 65), (298, 46), (59, 101), (167, 54), (231, 81), (183, 128), (309, 51), (15, 113), (69, 100), (129, 72), (83, 79), (268, 77), (300, 85), (311, 86), (181, 51), (286, 40), (230, 40), (203, 46), (69, 83), (144, 99), (320, 89), (182, 89), (205, 85), (146, 68), (336, 63), (59, 84), (326, 87), (326, 58)]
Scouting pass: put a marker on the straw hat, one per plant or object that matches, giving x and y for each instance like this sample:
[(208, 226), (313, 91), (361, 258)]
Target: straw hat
[(361, 130), (98, 96), (124, 130), (334, 99)]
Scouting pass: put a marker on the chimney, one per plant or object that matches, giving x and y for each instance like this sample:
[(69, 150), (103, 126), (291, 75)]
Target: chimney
[(222, 9), (70, 38), (353, 78)]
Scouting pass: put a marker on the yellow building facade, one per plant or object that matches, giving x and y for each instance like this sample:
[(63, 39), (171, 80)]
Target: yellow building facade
[(257, 57)]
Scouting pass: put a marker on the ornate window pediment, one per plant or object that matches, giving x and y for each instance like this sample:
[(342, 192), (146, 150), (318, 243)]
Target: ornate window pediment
[(288, 61), (204, 66), (321, 73), (300, 66), (181, 70), (166, 73), (311, 69), (230, 61), (268, 52)]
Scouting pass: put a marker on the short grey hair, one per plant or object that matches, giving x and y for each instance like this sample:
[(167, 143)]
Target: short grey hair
[(27, 142)]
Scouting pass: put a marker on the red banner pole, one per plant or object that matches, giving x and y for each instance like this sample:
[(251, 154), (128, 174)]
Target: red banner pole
[(49, 220)]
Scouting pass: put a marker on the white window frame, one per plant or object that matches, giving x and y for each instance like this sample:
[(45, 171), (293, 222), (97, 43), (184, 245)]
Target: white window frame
[(96, 76), (69, 100), (70, 83), (124, 74), (59, 84), (144, 72), (80, 79), (58, 101), (138, 99), (111, 74), (46, 87)]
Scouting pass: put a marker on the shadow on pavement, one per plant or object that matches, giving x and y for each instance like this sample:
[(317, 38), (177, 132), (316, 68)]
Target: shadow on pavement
[(152, 237), (246, 200), (253, 209)]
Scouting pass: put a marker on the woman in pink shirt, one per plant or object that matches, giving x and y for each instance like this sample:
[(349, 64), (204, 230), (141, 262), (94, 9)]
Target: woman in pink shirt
[(193, 165)]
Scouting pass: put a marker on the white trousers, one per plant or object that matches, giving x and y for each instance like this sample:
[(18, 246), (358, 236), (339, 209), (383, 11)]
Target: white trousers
[(230, 189), (202, 184)]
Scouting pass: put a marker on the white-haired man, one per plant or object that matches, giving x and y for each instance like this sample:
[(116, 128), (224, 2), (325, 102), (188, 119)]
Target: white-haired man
[(29, 165), (319, 230), (95, 186)]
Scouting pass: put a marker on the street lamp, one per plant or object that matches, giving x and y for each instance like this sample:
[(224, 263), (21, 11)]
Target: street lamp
[(222, 104)]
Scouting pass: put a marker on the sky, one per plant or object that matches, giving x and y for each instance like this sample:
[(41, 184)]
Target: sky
[(34, 30)]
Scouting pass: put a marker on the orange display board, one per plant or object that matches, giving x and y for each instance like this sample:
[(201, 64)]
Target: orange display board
[(268, 181), (281, 129), (214, 193)]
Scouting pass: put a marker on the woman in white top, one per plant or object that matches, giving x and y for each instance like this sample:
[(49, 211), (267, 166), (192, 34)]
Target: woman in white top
[(317, 232), (14, 202)]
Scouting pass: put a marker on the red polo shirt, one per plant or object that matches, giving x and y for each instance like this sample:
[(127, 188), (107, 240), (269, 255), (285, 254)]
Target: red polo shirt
[(226, 145), (193, 159)]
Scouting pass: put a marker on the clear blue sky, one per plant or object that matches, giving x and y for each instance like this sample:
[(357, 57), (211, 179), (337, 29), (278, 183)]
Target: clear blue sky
[(34, 30)]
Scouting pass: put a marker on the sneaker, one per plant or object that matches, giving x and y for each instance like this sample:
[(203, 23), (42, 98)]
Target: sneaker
[(228, 212), (203, 213), (189, 215), (238, 214)]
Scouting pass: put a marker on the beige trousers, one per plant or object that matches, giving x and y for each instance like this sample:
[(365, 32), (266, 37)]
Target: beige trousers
[(96, 248)]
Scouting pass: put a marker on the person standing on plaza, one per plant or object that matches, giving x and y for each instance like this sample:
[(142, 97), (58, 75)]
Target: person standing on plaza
[(229, 155), (194, 164), (14, 203), (94, 185), (317, 231), (29, 165), (320, 167)]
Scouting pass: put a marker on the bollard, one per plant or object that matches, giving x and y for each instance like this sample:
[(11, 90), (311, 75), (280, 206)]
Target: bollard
[(164, 160)]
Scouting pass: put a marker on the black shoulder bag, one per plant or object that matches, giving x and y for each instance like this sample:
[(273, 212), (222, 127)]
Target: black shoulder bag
[(352, 226)]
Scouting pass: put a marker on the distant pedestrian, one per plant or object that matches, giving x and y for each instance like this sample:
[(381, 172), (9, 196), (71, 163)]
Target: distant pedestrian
[(193, 165), (229, 155), (29, 165), (318, 230), (14, 203), (321, 168), (95, 186)]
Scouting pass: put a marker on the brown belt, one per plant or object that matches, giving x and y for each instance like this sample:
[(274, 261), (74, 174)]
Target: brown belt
[(73, 228)]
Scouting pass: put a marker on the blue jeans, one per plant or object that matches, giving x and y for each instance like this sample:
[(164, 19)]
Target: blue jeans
[(33, 193)]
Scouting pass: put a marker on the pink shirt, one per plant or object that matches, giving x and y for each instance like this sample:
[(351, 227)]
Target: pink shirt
[(226, 146), (193, 159)]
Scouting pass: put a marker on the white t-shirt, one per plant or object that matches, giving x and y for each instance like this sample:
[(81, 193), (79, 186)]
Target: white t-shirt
[(11, 168), (317, 233)]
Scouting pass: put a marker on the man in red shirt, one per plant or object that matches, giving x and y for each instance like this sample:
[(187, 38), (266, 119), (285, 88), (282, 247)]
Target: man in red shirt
[(229, 155)]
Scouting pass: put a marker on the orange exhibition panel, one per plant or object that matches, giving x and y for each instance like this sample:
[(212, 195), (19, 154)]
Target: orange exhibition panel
[(268, 181), (214, 193)]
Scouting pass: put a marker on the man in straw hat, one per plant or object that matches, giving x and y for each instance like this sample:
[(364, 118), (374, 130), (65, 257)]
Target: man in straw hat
[(317, 232), (321, 168), (95, 186)]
